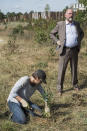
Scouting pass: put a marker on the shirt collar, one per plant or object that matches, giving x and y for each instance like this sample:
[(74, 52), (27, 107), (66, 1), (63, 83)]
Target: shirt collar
[(67, 22)]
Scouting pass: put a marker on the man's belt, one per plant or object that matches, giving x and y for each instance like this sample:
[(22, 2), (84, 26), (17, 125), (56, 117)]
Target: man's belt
[(71, 47)]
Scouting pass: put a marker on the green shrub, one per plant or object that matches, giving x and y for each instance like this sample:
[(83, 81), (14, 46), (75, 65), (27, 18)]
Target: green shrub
[(18, 30), (40, 24), (41, 36), (52, 52), (42, 30), (42, 65), (11, 45), (80, 16)]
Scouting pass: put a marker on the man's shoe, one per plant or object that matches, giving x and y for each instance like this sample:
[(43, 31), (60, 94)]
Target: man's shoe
[(60, 93)]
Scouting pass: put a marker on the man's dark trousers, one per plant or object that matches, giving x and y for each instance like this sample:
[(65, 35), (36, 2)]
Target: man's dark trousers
[(69, 54)]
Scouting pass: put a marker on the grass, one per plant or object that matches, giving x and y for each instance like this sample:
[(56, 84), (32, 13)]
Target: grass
[(68, 112)]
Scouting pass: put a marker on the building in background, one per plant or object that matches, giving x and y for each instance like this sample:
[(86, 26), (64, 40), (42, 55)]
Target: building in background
[(78, 6)]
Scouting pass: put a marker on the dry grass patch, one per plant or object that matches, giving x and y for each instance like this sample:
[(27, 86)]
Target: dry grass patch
[(68, 113)]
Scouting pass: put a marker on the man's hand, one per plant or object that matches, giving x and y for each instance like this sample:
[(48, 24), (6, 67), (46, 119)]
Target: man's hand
[(58, 42), (24, 103), (47, 110)]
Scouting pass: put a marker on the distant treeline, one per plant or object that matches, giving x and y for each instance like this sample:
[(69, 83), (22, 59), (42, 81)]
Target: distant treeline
[(32, 15)]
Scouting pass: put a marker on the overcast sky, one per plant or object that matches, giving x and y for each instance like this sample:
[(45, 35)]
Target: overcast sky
[(35, 5)]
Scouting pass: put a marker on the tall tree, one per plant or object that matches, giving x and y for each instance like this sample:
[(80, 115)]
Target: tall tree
[(64, 10), (1, 15), (83, 2), (47, 7)]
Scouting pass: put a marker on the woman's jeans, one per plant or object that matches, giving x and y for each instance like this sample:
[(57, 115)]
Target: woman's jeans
[(18, 114)]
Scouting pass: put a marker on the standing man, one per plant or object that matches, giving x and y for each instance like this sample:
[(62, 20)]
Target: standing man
[(69, 40), (19, 97)]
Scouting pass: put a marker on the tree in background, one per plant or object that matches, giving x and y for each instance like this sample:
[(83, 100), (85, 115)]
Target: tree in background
[(82, 16), (64, 10), (83, 2), (11, 14), (47, 7), (1, 16)]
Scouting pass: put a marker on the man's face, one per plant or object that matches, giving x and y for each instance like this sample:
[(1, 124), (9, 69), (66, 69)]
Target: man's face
[(37, 81), (69, 15)]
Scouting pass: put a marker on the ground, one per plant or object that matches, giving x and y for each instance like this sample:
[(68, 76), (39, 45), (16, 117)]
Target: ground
[(24, 56)]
